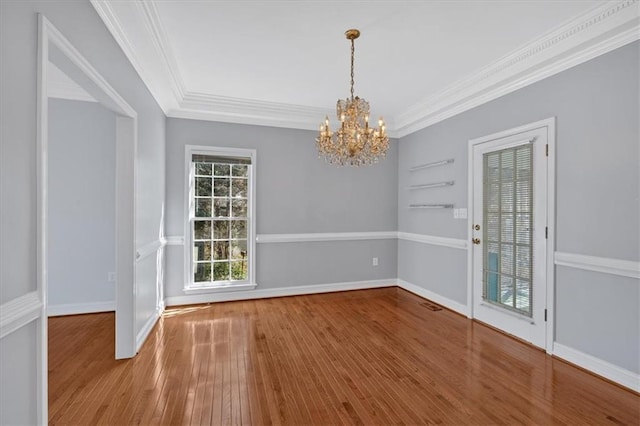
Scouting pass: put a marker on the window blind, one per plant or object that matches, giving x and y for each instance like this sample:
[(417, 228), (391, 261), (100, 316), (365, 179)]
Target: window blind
[(508, 228)]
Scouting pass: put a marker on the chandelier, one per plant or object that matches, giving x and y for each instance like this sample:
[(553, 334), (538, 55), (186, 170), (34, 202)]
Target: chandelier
[(354, 143)]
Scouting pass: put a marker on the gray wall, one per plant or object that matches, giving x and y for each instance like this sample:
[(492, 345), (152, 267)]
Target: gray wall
[(597, 187), (81, 202), (296, 193), (77, 21)]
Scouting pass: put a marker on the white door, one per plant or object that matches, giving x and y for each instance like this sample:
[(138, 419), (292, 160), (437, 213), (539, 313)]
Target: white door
[(509, 226)]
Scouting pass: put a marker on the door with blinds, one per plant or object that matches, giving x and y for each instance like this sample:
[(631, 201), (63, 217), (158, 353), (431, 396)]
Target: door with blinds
[(509, 227)]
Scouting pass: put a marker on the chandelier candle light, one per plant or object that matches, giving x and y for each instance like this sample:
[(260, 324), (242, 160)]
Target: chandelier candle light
[(354, 143)]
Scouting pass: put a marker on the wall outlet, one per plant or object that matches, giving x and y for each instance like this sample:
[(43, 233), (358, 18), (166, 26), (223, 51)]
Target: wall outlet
[(375, 261), (111, 277)]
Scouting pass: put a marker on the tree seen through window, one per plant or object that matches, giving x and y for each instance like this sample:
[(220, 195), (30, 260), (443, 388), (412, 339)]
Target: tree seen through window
[(220, 221)]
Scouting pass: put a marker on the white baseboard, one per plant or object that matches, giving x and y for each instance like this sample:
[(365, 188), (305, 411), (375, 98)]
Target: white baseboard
[(598, 366), (147, 327), (80, 308), (434, 297), (277, 292)]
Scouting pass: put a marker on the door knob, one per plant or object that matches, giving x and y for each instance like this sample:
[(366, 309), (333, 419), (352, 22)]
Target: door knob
[(476, 227), (476, 241)]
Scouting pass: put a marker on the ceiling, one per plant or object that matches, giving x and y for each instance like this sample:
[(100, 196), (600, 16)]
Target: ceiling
[(285, 63)]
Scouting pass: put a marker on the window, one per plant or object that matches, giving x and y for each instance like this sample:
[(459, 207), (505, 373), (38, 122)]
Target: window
[(219, 243)]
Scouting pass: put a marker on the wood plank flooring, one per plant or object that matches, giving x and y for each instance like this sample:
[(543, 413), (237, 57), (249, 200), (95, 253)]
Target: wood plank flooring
[(361, 357)]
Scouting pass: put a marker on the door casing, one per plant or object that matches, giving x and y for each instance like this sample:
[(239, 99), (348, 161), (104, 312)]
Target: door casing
[(550, 125)]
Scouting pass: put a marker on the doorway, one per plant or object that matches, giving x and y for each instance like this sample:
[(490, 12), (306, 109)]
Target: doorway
[(54, 48), (511, 227)]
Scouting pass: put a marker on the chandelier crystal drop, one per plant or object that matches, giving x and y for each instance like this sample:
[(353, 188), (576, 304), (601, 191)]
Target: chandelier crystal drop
[(354, 143)]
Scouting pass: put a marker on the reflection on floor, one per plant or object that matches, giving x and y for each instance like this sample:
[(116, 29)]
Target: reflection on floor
[(362, 357)]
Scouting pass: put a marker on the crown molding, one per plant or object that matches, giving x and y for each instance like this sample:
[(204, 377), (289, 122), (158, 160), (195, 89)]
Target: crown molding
[(162, 47), (594, 33), (203, 106), (127, 24), (139, 32)]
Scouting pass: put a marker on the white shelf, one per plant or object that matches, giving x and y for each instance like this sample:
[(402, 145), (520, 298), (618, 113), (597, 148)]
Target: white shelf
[(432, 185), (434, 164), (430, 206)]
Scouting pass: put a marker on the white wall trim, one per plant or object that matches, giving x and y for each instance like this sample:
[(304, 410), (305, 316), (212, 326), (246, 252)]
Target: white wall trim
[(81, 308), (326, 236), (148, 327), (60, 86), (434, 297), (150, 69), (150, 248), (69, 93), (203, 106), (598, 366), (69, 51), (278, 292), (219, 289), (19, 312), (455, 243), (623, 268), (163, 48), (175, 240)]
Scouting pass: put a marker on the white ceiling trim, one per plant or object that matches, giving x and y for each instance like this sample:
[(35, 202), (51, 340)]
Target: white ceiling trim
[(151, 69), (594, 33), (162, 47), (204, 106)]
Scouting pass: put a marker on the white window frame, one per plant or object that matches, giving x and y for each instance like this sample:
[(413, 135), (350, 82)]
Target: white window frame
[(189, 286)]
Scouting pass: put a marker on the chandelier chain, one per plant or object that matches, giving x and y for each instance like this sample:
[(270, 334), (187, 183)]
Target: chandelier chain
[(353, 50)]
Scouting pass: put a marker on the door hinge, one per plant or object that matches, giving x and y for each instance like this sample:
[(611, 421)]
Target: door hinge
[(546, 150), (546, 232), (545, 315)]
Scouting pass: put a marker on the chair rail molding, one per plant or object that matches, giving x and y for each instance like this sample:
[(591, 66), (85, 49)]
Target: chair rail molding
[(455, 243), (19, 312), (326, 236), (175, 240), (623, 268), (150, 248)]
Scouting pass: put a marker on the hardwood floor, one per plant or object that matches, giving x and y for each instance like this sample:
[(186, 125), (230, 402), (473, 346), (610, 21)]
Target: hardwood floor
[(362, 357)]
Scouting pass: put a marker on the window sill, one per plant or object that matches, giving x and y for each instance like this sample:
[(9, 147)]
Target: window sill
[(219, 288)]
